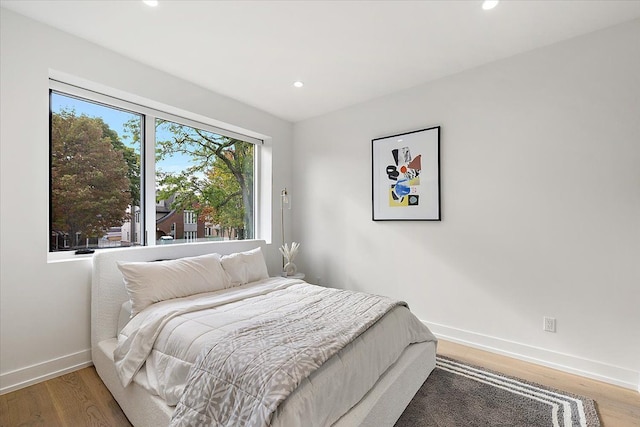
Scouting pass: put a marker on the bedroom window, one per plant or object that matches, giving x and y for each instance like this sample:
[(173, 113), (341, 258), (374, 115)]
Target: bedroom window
[(95, 174), (112, 162)]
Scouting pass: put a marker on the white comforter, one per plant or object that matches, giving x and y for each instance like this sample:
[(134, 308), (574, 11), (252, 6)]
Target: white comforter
[(168, 337)]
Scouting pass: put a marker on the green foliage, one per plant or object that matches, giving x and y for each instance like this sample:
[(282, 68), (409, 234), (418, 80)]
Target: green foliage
[(219, 183), (224, 196), (90, 186), (130, 156)]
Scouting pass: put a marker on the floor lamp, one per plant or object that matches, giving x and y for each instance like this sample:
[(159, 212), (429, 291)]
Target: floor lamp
[(285, 203)]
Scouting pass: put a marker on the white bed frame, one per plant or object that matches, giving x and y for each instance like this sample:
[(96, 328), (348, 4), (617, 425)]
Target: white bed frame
[(381, 406)]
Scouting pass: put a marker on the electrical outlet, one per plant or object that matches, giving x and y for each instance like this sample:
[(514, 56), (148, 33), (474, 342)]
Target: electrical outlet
[(549, 324)]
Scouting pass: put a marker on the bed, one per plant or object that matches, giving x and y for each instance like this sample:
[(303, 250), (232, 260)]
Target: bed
[(380, 405)]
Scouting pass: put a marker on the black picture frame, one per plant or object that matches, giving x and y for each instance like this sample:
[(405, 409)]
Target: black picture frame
[(406, 176)]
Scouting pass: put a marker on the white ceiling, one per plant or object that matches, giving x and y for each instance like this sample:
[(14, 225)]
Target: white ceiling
[(345, 52)]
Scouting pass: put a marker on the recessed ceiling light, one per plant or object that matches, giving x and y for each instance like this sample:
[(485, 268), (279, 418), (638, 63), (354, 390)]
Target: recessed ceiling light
[(298, 84), (152, 3), (490, 4)]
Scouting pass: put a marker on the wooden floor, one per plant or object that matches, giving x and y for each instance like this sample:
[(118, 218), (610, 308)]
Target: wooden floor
[(80, 399), (73, 400)]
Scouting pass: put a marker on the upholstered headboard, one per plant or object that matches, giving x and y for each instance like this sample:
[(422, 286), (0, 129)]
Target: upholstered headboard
[(107, 287)]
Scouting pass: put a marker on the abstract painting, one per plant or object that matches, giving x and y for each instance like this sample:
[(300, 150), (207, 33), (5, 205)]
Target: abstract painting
[(406, 176)]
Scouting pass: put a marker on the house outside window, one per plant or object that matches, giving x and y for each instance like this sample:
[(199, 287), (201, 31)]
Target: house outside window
[(101, 147)]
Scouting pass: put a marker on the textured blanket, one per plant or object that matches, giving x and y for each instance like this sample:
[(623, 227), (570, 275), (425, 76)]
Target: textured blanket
[(242, 378)]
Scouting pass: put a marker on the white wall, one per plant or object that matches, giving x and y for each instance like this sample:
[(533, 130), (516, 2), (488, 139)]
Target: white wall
[(44, 323), (540, 161)]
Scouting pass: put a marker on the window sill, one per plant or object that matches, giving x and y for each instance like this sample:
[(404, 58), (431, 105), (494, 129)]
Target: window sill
[(66, 256)]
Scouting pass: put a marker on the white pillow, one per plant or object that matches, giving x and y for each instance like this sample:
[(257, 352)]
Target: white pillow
[(151, 282), (245, 267)]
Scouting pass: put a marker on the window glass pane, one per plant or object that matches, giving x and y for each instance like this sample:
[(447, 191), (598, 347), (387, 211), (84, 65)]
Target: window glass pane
[(95, 175), (204, 181)]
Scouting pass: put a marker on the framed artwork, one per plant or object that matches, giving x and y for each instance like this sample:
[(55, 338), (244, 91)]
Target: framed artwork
[(406, 176)]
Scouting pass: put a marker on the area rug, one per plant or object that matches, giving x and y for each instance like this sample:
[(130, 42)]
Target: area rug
[(457, 394)]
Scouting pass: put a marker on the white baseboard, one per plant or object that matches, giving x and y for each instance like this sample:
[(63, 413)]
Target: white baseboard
[(622, 377), (24, 377), (611, 374)]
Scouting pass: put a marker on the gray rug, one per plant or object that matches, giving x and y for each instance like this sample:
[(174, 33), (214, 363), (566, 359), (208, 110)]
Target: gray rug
[(456, 394)]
